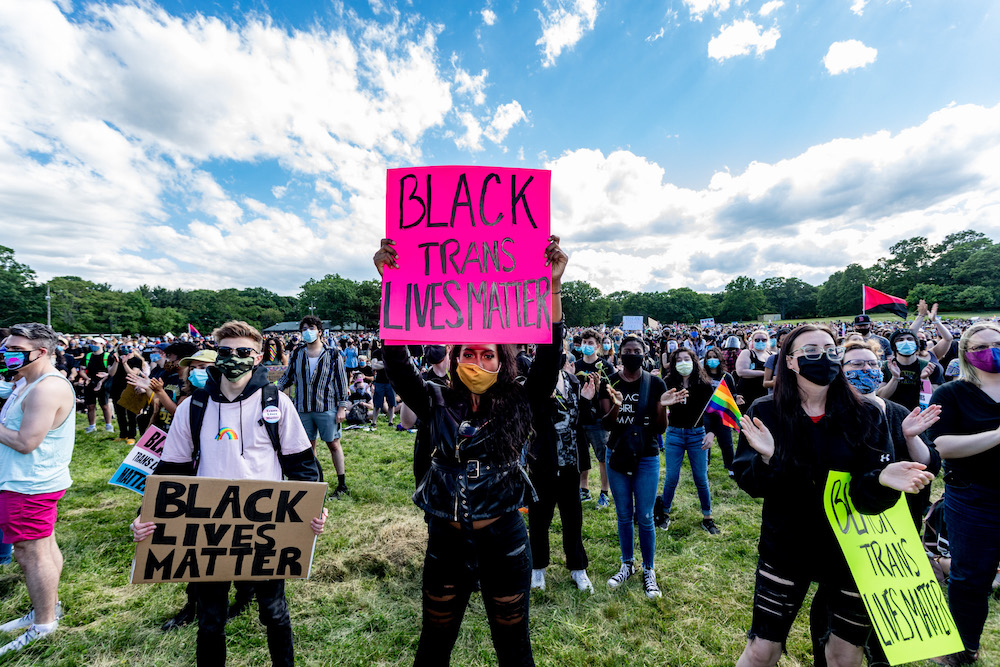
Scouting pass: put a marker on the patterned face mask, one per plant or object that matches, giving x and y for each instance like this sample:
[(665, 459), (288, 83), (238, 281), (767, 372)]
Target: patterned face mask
[(865, 380)]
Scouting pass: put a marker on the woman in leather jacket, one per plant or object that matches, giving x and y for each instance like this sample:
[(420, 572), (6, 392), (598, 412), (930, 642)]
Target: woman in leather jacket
[(476, 481)]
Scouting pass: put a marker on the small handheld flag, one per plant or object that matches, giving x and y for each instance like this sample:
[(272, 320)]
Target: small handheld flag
[(723, 404), (192, 331), (880, 302)]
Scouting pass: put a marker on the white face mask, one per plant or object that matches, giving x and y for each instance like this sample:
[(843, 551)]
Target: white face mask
[(6, 389)]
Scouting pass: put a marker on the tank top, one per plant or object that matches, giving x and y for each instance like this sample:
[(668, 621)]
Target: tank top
[(46, 469)]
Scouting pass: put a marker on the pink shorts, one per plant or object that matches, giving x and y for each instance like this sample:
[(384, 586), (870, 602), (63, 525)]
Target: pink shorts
[(27, 517)]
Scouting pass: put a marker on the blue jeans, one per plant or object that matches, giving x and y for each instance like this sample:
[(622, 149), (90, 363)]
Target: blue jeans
[(973, 516), (678, 441), (5, 550), (634, 497)]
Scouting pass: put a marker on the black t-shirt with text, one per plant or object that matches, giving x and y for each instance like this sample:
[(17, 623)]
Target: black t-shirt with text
[(628, 412)]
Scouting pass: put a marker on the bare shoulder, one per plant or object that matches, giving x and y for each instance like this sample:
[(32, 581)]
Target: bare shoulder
[(53, 389)]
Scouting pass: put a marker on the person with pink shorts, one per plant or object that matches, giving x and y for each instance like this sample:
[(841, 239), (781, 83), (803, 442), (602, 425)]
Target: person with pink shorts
[(36, 444)]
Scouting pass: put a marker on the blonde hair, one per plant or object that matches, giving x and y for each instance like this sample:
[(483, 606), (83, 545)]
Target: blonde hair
[(968, 372), (237, 329)]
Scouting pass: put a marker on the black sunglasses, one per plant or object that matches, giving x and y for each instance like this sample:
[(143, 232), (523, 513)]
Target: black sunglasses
[(241, 352)]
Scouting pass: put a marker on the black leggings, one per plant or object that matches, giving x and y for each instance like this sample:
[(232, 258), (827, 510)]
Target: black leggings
[(213, 611), (128, 422), (501, 558), (562, 490)]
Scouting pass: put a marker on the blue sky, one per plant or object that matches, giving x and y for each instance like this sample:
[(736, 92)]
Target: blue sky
[(209, 144)]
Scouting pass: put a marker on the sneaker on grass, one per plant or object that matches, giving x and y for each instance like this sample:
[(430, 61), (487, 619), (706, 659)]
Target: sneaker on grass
[(626, 571), (585, 496), (27, 620), (34, 632), (603, 501), (109, 428), (708, 524), (538, 579), (649, 583), (581, 580), (90, 429)]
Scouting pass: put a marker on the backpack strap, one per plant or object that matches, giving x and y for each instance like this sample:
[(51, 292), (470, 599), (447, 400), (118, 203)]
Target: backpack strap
[(644, 399), (269, 398), (199, 403)]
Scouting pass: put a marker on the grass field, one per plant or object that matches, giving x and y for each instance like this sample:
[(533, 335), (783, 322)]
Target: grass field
[(361, 606)]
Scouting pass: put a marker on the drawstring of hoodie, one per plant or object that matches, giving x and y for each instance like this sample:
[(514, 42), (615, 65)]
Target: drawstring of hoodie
[(239, 434)]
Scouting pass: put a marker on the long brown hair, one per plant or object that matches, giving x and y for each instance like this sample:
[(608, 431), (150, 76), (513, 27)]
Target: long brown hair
[(675, 379), (845, 408)]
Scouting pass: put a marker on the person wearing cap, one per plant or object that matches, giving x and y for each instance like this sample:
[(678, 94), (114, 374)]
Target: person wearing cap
[(863, 325), (164, 381), (98, 389)]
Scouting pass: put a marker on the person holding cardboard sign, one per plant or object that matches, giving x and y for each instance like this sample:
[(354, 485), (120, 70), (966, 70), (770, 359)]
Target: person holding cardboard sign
[(479, 427), (814, 423), (234, 442)]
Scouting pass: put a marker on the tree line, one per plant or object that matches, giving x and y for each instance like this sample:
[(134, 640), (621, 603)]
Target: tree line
[(957, 273)]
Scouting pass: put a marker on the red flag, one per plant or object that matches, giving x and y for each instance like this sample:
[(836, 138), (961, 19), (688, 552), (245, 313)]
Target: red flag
[(192, 331), (880, 302)]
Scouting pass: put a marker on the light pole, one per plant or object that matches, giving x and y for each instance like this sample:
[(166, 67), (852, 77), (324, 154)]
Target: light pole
[(48, 305), (312, 309)]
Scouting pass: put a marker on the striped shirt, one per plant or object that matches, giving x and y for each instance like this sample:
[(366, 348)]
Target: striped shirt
[(321, 391)]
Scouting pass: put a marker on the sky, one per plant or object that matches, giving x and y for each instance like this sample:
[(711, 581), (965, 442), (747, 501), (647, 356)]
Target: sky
[(211, 144)]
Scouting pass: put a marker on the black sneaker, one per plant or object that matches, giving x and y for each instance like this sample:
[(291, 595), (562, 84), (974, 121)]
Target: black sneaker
[(339, 492), (709, 525), (585, 496), (183, 617)]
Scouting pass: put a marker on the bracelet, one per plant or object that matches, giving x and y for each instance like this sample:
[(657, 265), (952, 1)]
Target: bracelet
[(559, 292)]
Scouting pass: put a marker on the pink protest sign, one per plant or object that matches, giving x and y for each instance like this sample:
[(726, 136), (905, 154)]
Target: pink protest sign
[(152, 441), (471, 244)]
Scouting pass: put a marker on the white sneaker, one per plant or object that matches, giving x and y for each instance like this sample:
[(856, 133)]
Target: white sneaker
[(109, 428), (626, 571), (538, 579), (33, 633), (649, 583), (27, 620), (90, 429), (581, 580)]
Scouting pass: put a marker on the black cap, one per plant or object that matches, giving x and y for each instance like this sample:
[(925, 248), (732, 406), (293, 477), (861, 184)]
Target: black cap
[(862, 319)]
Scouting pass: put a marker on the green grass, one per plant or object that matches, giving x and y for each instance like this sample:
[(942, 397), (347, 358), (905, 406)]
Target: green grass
[(362, 604)]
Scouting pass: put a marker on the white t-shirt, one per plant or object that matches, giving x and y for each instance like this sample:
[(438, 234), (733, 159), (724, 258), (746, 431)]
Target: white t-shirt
[(234, 440)]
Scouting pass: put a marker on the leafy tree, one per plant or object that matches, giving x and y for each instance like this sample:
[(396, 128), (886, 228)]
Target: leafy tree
[(790, 297), (744, 299), (976, 298), (980, 268), (583, 304), (21, 300)]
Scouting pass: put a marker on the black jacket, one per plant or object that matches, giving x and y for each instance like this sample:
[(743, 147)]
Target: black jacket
[(795, 535), (464, 482), (543, 457)]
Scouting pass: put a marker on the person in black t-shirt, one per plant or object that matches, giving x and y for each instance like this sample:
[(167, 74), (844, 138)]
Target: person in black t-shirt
[(592, 434), (968, 438), (383, 395), (904, 372), (98, 389), (633, 457)]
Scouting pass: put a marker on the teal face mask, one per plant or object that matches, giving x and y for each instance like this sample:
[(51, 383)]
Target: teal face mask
[(712, 363), (198, 377)]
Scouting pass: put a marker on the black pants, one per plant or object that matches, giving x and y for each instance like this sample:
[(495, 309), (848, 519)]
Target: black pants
[(213, 611), (562, 490), (128, 422), (501, 556)]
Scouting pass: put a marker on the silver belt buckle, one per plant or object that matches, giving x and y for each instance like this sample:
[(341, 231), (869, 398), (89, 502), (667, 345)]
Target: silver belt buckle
[(471, 474)]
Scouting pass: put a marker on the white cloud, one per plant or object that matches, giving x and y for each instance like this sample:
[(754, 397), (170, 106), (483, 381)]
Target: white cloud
[(653, 38), (847, 55), (472, 140), (843, 201), (769, 7), (858, 6), (489, 16), (279, 191), (740, 38), (472, 85), (506, 117), (494, 128), (564, 22), (698, 8)]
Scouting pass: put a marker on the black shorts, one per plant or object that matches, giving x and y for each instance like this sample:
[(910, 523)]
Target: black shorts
[(102, 395), (778, 596)]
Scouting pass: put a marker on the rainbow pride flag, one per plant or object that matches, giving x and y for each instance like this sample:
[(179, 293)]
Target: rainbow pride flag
[(723, 404)]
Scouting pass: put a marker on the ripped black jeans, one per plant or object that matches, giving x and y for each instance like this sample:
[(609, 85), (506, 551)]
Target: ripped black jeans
[(500, 557)]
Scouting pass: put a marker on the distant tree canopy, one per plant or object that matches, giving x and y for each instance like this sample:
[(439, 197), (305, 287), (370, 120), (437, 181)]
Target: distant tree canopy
[(959, 274)]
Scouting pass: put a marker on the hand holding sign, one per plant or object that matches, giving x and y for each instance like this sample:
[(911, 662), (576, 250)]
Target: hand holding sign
[(759, 437), (556, 258), (905, 476), (386, 255)]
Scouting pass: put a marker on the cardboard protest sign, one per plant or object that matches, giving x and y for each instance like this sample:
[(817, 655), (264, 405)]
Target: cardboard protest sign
[(227, 530), (471, 244), (632, 322), (141, 461), (886, 557), (275, 373)]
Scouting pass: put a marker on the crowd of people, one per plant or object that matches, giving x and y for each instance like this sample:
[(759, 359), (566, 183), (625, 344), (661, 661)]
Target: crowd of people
[(503, 430)]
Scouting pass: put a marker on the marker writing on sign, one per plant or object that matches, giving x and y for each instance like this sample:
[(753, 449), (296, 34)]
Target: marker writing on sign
[(462, 199), (494, 304)]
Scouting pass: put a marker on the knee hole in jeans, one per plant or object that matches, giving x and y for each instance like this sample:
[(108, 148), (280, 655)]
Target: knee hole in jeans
[(440, 608), (509, 609)]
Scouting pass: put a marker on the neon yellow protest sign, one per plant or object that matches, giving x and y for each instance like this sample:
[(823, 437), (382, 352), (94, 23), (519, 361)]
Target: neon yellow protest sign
[(886, 556)]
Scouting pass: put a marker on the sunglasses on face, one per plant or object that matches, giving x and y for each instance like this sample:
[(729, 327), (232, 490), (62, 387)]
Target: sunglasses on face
[(241, 352)]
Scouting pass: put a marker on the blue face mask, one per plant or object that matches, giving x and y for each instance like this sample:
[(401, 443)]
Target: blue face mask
[(774, 342), (906, 347), (760, 345), (198, 377), (865, 380), (95, 348), (310, 335), (588, 350), (606, 346), (712, 363), (155, 357)]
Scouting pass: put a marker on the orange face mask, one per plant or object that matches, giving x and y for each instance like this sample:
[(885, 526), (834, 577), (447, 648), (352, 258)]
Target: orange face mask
[(477, 378)]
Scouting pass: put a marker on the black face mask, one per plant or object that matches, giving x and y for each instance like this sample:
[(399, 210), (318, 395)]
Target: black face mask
[(820, 371), (435, 354), (632, 362)]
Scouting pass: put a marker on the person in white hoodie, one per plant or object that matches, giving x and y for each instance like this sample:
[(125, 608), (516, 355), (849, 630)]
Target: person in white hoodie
[(232, 402)]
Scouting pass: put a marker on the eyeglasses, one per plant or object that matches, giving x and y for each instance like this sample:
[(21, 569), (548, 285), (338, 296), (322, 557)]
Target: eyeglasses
[(814, 352), (858, 364), (241, 352), (980, 348)]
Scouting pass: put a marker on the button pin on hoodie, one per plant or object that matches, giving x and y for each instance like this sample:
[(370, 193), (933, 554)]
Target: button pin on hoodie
[(271, 414)]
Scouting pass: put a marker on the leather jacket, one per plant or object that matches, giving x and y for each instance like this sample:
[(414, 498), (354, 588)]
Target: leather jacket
[(465, 481)]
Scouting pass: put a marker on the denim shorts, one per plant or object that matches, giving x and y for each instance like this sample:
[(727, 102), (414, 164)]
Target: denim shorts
[(598, 439), (323, 423)]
